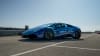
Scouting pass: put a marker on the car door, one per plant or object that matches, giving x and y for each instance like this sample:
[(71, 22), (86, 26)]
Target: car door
[(60, 29), (67, 29)]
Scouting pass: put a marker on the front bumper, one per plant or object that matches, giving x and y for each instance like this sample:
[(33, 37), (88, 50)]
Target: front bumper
[(30, 36), (25, 36)]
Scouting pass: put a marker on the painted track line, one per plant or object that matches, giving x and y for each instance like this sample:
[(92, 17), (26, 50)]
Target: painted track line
[(18, 54), (25, 52), (79, 48), (88, 36)]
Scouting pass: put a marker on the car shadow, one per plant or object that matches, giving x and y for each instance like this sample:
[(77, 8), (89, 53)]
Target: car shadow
[(44, 40)]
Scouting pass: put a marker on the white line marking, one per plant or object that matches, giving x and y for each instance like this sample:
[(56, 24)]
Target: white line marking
[(18, 54), (87, 36), (79, 48)]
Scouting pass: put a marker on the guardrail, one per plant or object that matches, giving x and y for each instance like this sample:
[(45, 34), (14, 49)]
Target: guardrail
[(10, 32)]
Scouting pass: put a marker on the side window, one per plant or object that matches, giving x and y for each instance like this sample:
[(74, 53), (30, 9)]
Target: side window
[(62, 25), (53, 25), (59, 25), (69, 25)]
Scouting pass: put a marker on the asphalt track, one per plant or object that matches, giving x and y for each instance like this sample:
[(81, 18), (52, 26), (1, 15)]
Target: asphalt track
[(88, 45)]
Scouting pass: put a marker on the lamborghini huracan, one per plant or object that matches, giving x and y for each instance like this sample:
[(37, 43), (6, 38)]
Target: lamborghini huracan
[(52, 30)]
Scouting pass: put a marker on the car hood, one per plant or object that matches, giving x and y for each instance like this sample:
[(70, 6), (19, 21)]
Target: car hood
[(33, 30)]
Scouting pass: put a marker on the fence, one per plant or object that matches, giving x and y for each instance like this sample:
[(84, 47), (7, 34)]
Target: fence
[(10, 32)]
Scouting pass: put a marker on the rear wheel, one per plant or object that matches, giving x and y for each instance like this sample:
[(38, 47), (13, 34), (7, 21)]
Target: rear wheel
[(77, 35), (49, 34)]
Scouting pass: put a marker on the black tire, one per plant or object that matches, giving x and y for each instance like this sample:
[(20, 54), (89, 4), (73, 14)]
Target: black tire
[(32, 36), (77, 35), (49, 34)]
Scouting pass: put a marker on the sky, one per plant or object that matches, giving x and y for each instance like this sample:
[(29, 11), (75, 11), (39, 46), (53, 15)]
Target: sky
[(82, 13)]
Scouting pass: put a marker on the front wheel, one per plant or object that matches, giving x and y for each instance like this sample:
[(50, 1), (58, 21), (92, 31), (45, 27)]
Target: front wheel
[(77, 35), (48, 34)]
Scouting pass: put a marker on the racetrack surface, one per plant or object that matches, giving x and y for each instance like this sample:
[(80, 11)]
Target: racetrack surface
[(88, 45)]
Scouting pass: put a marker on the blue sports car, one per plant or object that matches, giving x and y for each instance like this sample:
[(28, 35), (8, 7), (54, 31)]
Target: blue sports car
[(52, 30)]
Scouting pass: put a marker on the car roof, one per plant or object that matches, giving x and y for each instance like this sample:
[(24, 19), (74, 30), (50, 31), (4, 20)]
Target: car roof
[(55, 23)]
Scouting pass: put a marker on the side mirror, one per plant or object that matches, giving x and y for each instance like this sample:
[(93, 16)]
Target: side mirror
[(68, 25)]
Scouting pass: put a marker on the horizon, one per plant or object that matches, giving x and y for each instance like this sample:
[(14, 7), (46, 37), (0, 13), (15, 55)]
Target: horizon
[(82, 13)]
